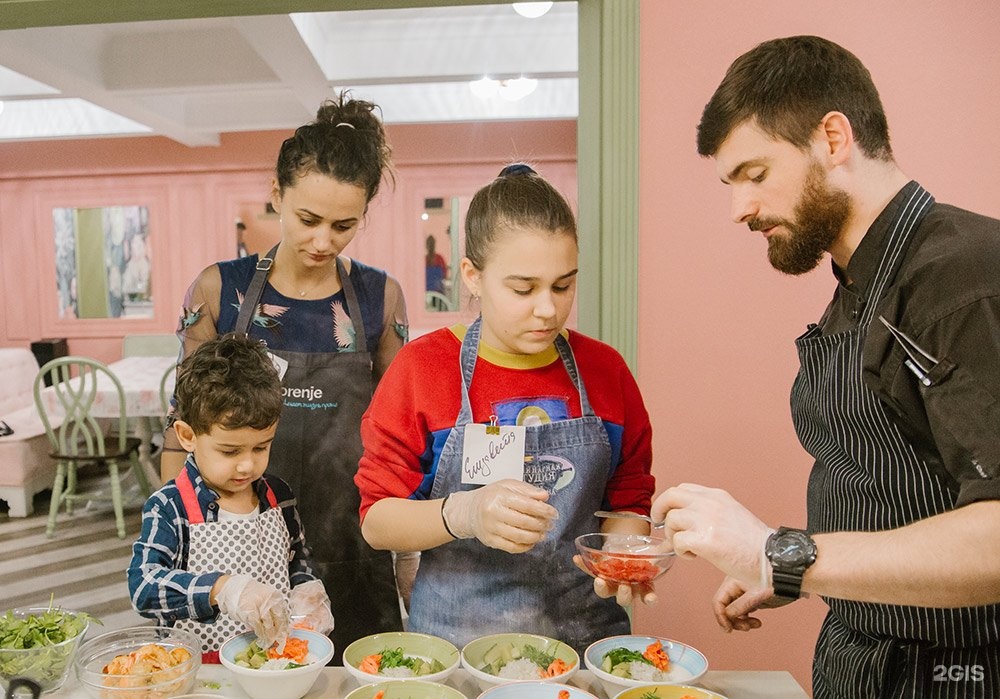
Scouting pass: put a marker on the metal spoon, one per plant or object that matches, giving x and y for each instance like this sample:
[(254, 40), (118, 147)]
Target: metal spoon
[(628, 515)]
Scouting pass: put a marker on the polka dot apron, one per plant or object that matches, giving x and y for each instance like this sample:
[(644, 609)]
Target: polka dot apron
[(257, 547)]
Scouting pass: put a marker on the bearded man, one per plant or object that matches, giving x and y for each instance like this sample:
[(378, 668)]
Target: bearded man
[(897, 396)]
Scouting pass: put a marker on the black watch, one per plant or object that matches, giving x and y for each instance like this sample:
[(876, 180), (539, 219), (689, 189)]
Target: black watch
[(791, 552)]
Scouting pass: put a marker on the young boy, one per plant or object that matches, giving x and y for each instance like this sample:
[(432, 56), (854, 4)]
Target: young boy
[(221, 548)]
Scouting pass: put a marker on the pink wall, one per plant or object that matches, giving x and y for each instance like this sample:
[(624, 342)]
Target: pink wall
[(716, 374), (195, 195)]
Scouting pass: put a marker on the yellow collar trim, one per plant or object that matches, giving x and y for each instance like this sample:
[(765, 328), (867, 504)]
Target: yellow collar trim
[(509, 360)]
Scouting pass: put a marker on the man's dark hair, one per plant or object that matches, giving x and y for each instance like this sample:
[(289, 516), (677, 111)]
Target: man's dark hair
[(788, 85), (229, 381)]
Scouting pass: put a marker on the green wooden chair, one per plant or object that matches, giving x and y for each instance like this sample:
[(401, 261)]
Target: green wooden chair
[(83, 439)]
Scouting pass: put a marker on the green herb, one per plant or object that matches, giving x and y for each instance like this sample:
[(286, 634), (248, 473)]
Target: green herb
[(29, 645), (650, 695), (537, 656), (211, 685), (394, 657), (617, 656)]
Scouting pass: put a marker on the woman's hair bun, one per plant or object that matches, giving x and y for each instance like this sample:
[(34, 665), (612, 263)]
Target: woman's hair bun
[(517, 169)]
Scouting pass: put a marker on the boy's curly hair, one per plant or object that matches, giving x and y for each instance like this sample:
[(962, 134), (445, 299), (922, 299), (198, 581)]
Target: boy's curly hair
[(231, 382)]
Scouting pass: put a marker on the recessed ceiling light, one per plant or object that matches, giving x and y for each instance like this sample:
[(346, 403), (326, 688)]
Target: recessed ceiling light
[(531, 10)]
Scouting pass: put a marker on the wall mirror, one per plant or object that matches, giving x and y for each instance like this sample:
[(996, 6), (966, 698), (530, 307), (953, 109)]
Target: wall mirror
[(441, 233), (103, 262)]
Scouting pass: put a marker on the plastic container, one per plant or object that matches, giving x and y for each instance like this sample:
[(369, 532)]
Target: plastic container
[(149, 677)]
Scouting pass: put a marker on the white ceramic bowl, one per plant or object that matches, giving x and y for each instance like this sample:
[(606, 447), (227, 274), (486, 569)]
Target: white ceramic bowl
[(292, 683), (47, 665), (97, 652), (406, 689), (419, 645), (475, 653), (687, 665), (535, 690), (667, 691)]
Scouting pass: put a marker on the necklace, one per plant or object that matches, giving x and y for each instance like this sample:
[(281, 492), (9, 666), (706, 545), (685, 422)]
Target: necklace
[(303, 292)]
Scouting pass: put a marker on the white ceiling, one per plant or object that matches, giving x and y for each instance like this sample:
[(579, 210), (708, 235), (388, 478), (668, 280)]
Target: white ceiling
[(190, 80)]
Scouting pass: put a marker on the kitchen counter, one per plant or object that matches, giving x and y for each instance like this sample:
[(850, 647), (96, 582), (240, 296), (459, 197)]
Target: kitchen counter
[(335, 682)]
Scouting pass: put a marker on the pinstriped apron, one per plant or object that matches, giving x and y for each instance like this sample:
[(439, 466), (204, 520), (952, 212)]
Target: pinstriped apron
[(866, 477), (464, 589), (257, 547)]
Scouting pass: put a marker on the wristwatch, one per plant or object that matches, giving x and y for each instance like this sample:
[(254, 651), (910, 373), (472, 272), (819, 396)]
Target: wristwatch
[(791, 552)]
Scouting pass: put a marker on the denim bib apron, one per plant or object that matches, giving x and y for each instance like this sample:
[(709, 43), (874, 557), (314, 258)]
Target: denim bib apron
[(257, 547), (464, 589), (316, 451), (867, 477)]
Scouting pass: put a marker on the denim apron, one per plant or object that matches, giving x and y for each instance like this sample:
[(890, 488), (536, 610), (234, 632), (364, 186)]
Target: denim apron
[(316, 451), (464, 589), (256, 546), (867, 477)]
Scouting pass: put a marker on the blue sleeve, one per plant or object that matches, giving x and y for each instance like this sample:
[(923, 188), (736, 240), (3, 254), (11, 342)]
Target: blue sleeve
[(159, 586)]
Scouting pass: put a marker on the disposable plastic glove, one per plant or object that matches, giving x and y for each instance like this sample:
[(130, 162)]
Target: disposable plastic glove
[(509, 515), (709, 523), (259, 606), (310, 601)]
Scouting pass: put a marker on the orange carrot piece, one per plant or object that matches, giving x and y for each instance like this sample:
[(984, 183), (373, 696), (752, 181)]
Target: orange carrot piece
[(563, 694), (556, 667), (371, 664), (379, 694), (656, 655), (296, 649)]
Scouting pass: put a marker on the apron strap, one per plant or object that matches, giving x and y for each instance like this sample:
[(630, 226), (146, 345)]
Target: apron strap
[(569, 361), (360, 338), (188, 498), (269, 494), (254, 291), (914, 209)]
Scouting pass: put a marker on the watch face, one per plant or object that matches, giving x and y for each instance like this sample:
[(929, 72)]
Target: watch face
[(791, 549)]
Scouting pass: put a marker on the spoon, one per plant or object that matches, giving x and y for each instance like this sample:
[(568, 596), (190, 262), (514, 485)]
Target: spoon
[(628, 515)]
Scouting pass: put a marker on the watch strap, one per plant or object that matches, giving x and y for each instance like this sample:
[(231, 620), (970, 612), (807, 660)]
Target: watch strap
[(787, 584)]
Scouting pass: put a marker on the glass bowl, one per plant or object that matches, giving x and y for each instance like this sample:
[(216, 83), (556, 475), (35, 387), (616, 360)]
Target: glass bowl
[(49, 659), (150, 677), (290, 683), (629, 559)]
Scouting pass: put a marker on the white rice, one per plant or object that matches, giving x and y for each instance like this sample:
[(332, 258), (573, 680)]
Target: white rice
[(400, 671), (520, 669), (639, 670), (283, 663)]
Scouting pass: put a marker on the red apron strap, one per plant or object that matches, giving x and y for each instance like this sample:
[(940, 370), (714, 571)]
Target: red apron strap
[(271, 497), (188, 498)]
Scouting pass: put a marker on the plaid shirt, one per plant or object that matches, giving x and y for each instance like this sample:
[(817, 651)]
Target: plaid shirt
[(160, 586)]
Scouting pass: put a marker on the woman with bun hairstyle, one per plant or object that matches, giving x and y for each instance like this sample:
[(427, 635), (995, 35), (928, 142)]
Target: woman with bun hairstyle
[(332, 325), (489, 448)]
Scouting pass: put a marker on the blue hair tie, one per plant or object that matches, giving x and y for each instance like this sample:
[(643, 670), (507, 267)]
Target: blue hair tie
[(517, 169)]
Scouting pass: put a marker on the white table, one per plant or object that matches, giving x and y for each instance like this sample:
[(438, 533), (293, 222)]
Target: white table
[(140, 378), (335, 683)]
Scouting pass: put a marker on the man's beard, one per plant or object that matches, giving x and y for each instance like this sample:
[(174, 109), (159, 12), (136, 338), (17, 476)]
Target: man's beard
[(819, 220)]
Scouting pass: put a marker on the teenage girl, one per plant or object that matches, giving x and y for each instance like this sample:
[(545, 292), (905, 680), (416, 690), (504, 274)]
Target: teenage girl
[(489, 448)]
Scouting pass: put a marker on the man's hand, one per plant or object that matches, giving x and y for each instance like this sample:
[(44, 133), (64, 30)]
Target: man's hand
[(708, 523), (734, 603)]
